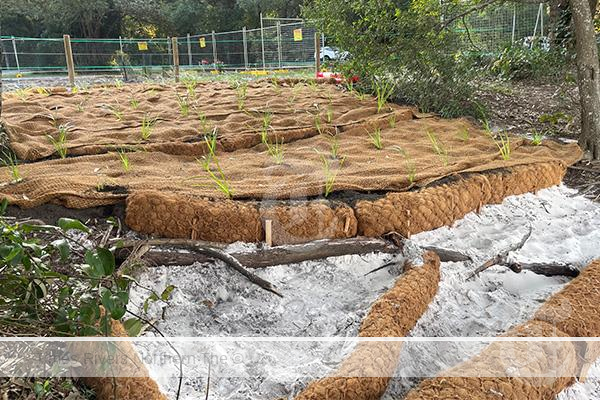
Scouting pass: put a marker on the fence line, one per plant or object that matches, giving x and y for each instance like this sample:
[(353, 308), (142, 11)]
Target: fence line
[(286, 45), (277, 44)]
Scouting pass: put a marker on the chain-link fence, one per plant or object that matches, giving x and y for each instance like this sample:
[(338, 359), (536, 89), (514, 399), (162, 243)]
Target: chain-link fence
[(278, 44)]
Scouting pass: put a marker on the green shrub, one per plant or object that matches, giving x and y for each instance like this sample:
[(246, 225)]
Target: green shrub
[(403, 43)]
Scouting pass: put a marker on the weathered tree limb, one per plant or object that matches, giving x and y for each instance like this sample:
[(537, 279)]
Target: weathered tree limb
[(546, 269), (500, 258), (267, 257), (281, 255), (212, 252), (447, 255)]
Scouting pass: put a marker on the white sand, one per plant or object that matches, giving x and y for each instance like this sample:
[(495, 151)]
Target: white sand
[(329, 298)]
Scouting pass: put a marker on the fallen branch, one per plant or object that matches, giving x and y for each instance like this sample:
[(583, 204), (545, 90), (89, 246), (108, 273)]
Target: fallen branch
[(210, 251), (268, 256), (501, 258), (546, 269)]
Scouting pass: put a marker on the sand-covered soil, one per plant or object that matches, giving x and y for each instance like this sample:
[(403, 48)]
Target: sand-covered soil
[(334, 295)]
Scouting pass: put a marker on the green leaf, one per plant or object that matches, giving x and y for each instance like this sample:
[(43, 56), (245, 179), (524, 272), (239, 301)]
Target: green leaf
[(3, 205), (67, 223), (63, 249), (133, 326), (166, 294), (101, 261)]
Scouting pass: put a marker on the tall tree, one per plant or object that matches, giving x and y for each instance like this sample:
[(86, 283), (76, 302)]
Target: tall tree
[(588, 76)]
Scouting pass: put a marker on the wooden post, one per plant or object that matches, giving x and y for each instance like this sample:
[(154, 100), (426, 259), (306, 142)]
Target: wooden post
[(317, 54), (69, 57), (269, 232), (175, 58)]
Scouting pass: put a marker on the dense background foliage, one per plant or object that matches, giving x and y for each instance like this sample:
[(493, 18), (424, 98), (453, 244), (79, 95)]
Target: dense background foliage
[(112, 18)]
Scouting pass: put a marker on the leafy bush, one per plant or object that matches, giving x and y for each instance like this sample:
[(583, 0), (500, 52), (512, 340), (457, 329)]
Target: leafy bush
[(404, 43), (55, 284), (519, 63)]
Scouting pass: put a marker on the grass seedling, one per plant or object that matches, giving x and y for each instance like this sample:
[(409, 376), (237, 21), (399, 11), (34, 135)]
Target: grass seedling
[(184, 105), (266, 125), (312, 84), (125, 163), (275, 150), (318, 124), (329, 114), (134, 103), (60, 142), (537, 138), (375, 137), (276, 86), (43, 91), (22, 94), (242, 93), (383, 91), (190, 86), (411, 168), (330, 174), (438, 147), (10, 161), (464, 134), (334, 147), (203, 123), (392, 121), (117, 112), (147, 126), (218, 179), (486, 127), (119, 84), (53, 120), (81, 106), (503, 143)]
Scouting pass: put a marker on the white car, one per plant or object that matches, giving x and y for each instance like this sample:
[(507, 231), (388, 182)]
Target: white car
[(329, 53)]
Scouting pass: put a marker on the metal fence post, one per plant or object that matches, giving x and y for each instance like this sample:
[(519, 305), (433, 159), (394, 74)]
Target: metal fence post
[(5, 55), (214, 43), (541, 19), (69, 58), (245, 40), (279, 43), (14, 43), (175, 59), (189, 48), (514, 24), (169, 58), (317, 54), (262, 40)]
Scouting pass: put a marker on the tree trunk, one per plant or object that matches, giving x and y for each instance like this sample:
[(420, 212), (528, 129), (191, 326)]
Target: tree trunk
[(588, 77), (1, 64)]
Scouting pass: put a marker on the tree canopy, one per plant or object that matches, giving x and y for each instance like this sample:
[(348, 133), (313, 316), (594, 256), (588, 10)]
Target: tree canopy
[(136, 18)]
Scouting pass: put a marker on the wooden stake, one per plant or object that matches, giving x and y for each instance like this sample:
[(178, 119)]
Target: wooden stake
[(269, 232), (69, 57), (175, 58), (317, 54)]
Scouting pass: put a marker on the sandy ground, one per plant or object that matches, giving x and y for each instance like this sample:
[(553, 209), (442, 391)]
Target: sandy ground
[(330, 298)]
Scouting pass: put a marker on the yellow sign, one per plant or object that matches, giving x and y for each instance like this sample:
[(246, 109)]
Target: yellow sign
[(202, 42), (298, 35), (143, 46)]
